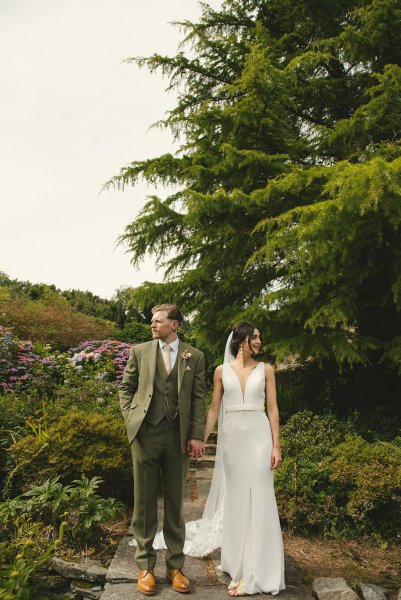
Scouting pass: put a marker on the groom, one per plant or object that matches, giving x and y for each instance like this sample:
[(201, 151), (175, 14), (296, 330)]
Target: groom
[(162, 398)]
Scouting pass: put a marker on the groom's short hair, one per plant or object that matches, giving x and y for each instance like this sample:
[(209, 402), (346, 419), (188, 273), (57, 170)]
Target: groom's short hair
[(172, 310)]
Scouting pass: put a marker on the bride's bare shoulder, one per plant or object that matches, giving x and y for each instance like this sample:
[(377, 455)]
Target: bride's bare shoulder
[(269, 369), (218, 374)]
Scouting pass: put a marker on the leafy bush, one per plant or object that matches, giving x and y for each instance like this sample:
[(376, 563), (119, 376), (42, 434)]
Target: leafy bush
[(27, 411), (369, 484), (35, 524), (75, 510), (37, 389), (382, 423), (94, 444), (313, 436), (334, 482), (134, 332), (51, 319), (23, 557), (89, 395)]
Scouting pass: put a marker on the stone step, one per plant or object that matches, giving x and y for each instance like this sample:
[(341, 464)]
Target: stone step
[(208, 581), (210, 449), (204, 462), (212, 439), (216, 591)]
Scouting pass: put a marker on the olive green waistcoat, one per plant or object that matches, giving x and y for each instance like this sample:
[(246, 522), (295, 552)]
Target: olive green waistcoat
[(165, 389)]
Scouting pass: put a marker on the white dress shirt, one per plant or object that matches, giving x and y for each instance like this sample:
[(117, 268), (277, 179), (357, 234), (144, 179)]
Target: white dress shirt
[(173, 351)]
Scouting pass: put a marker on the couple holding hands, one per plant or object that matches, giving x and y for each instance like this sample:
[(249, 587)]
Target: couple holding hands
[(162, 398)]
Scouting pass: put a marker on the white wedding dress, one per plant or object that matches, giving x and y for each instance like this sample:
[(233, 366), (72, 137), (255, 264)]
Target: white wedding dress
[(252, 546)]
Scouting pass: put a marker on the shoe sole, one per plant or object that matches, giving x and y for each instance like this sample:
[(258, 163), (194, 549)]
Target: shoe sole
[(177, 589), (180, 591), (146, 593)]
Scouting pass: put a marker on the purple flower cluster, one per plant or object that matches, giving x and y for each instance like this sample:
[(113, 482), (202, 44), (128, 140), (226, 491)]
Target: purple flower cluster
[(21, 365), (104, 359), (24, 364)]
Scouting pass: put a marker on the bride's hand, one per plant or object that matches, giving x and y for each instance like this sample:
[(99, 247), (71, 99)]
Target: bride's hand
[(276, 458)]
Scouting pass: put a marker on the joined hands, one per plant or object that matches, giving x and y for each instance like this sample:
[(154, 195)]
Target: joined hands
[(195, 448)]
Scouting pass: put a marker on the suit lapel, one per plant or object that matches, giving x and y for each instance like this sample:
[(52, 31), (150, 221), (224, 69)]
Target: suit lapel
[(152, 356)]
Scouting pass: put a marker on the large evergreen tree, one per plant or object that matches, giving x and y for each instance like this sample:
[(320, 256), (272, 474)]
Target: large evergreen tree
[(288, 176)]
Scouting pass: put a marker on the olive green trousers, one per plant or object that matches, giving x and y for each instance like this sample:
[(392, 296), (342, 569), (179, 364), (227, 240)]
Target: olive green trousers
[(156, 450)]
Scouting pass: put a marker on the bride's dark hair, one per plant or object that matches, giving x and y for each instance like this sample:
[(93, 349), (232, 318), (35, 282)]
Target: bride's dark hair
[(241, 331)]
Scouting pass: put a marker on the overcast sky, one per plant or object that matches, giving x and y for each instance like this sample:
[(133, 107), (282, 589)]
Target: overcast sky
[(71, 115)]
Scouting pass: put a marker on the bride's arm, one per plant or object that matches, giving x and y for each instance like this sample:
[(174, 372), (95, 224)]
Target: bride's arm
[(214, 408), (272, 411)]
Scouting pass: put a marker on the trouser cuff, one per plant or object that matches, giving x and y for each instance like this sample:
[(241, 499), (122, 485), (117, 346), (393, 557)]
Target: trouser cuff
[(147, 565)]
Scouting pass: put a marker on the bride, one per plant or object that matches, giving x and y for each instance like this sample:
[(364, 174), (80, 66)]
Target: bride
[(240, 514), (251, 545)]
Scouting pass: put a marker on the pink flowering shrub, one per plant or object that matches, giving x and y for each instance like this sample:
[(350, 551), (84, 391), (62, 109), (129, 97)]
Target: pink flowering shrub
[(105, 359), (24, 364)]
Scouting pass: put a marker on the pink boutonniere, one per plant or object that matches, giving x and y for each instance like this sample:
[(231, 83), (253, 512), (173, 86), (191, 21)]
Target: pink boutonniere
[(185, 355)]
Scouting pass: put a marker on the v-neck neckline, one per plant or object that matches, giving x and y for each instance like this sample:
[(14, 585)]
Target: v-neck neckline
[(243, 391)]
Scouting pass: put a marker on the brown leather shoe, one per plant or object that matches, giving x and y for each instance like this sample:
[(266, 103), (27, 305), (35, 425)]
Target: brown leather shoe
[(146, 582), (179, 582)]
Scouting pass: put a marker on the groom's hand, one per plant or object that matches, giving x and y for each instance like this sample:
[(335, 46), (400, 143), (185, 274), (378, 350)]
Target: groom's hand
[(195, 448)]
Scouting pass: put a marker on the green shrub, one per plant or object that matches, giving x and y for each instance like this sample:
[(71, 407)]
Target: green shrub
[(303, 491), (93, 444), (134, 333), (313, 436), (15, 411), (368, 478), (304, 497), (51, 320), (380, 423), (334, 482), (75, 510), (34, 524), (91, 395), (26, 412), (22, 558)]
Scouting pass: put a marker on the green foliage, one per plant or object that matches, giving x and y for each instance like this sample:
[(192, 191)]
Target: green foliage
[(116, 309), (38, 522), (89, 396), (23, 557), (87, 510), (28, 414), (334, 482), (91, 443), (313, 436), (304, 497), (369, 483), (51, 320), (287, 202), (72, 510), (134, 332)]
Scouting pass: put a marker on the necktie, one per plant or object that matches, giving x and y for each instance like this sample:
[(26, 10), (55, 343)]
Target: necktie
[(167, 357)]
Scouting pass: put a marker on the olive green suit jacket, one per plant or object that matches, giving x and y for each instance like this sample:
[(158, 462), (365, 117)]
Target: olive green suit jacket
[(136, 389)]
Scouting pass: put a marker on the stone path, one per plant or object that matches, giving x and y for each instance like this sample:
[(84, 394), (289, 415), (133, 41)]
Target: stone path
[(208, 582)]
